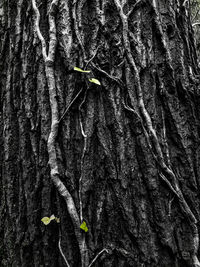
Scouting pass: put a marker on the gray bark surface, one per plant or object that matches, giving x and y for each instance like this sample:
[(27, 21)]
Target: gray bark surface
[(124, 156)]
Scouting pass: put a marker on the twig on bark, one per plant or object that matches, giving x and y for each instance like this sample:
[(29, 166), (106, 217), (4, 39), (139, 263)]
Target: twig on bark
[(168, 183), (70, 104), (116, 79), (195, 24), (99, 254), (60, 248), (84, 247), (90, 60), (185, 2), (133, 8), (82, 157), (195, 16)]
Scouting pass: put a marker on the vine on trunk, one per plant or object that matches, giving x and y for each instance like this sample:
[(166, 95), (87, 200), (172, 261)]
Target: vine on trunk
[(150, 132), (166, 172), (49, 58)]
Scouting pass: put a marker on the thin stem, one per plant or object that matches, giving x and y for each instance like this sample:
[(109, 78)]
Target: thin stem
[(95, 53), (70, 104), (82, 157), (195, 24), (97, 256), (60, 248)]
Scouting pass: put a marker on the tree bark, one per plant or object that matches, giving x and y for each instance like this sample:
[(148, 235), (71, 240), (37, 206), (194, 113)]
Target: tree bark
[(122, 156)]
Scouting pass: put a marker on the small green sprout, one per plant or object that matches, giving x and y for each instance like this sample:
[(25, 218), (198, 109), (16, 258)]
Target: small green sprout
[(47, 220), (83, 226)]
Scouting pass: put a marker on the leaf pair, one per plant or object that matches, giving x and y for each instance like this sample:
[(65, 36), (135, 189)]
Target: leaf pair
[(83, 226), (47, 220), (92, 80)]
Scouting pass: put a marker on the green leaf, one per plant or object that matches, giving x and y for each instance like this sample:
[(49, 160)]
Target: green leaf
[(46, 220), (84, 226), (80, 70), (93, 80)]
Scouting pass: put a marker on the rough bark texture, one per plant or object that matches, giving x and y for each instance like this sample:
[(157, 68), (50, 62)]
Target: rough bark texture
[(124, 156), (195, 18)]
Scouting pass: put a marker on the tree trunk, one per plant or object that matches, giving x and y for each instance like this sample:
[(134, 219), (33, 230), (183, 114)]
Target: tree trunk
[(122, 157)]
